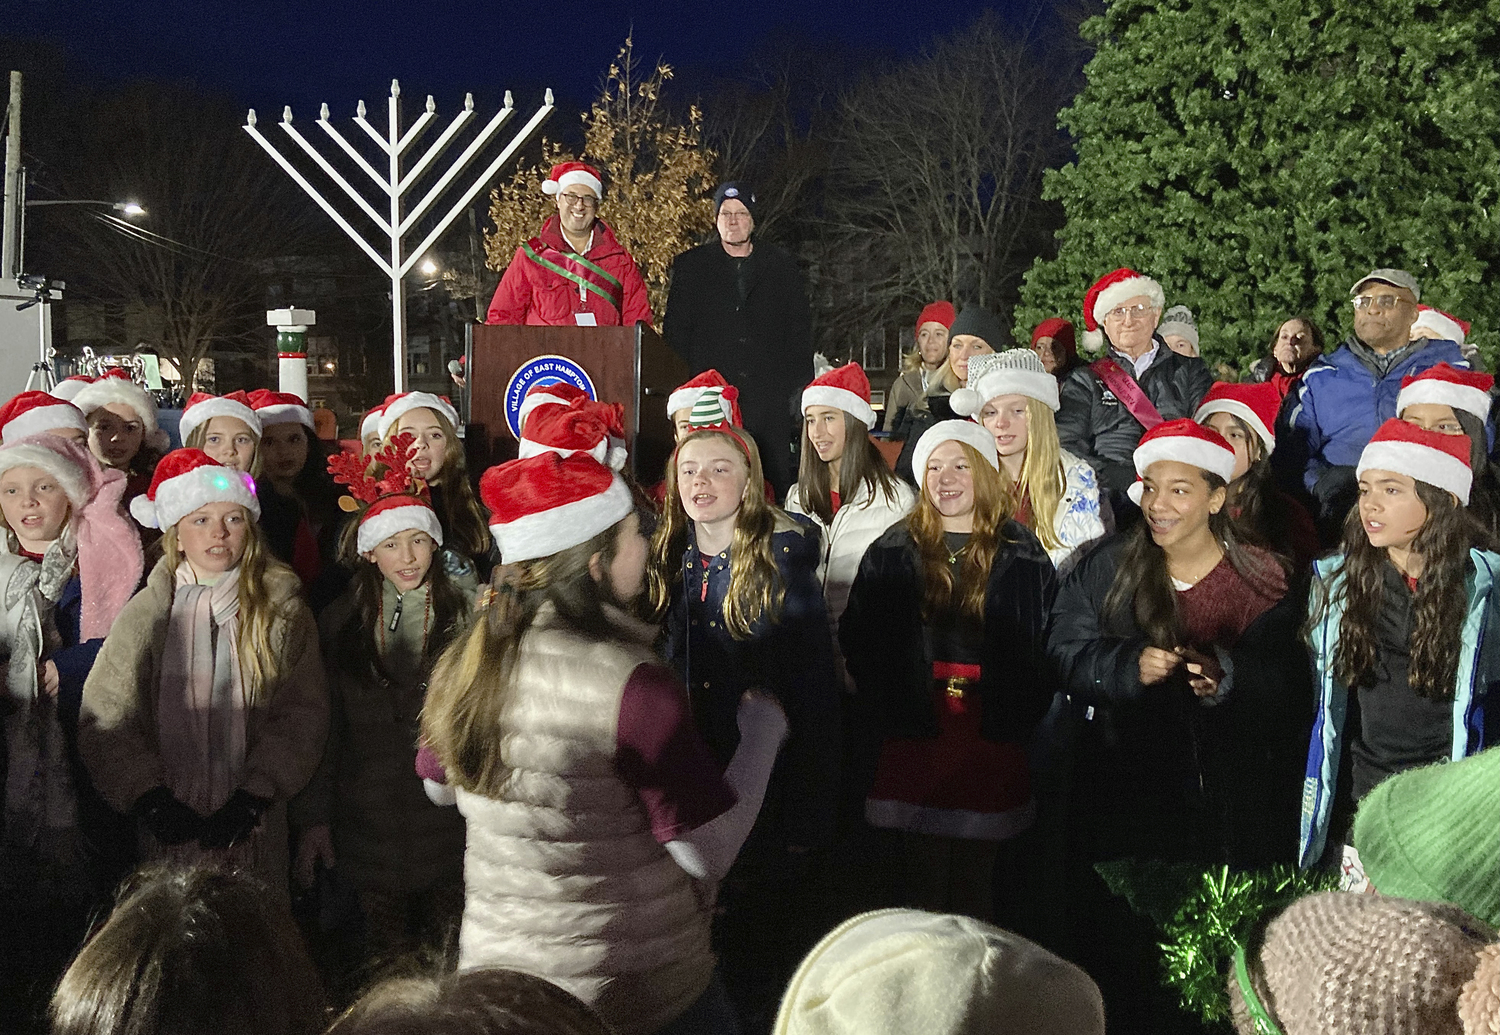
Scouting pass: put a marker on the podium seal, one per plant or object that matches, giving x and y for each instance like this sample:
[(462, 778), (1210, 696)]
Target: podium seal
[(542, 370)]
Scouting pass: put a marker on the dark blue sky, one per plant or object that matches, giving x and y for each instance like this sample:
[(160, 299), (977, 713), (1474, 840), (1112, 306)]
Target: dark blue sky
[(270, 53)]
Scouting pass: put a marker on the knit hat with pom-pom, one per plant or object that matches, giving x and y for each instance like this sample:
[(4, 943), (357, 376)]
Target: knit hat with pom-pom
[(1012, 372)]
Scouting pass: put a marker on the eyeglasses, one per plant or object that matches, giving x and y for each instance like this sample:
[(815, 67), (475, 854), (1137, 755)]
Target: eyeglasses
[(579, 200), (733, 217), (1125, 312), (1379, 301)]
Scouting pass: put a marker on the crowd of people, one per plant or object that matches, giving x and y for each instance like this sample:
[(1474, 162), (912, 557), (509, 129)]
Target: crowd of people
[(846, 752)]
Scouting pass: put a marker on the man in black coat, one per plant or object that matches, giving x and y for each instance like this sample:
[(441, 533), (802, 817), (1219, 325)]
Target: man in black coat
[(740, 307)]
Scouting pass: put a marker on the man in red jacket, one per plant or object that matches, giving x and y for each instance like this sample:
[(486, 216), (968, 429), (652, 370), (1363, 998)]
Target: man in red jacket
[(574, 273)]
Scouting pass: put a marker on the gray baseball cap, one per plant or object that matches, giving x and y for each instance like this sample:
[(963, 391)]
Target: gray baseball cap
[(1396, 278)]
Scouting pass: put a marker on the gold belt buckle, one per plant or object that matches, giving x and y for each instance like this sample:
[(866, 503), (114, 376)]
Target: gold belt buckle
[(956, 685)]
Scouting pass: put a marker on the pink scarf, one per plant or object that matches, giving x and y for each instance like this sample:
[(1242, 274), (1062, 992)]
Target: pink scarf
[(201, 701)]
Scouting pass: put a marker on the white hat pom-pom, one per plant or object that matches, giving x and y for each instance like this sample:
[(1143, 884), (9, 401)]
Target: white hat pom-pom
[(616, 458), (966, 401), (144, 511), (1093, 341)]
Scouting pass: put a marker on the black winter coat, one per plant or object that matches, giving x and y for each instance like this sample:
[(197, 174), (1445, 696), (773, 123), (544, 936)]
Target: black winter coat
[(762, 346), (1095, 426), (885, 647), (1161, 774), (791, 657)]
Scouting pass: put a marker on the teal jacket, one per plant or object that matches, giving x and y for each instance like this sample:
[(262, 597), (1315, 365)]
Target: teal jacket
[(1478, 671)]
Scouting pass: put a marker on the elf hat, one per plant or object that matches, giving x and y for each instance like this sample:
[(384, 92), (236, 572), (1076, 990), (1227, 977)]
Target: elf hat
[(392, 515), (371, 424), (202, 408), (1012, 372), (1447, 326), (1465, 390), (565, 174), (936, 312), (965, 431), (548, 503), (1255, 404), (845, 388), (1430, 834), (68, 388), (396, 405), (187, 479), (1108, 292), (716, 406), (553, 393), (1428, 456), (584, 426), (116, 386), (32, 413), (685, 395), (1184, 441), (280, 408)]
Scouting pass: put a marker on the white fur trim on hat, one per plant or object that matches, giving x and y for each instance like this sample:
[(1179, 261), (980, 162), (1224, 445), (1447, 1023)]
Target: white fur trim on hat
[(547, 532), (1471, 400), (1447, 328), (415, 401), (68, 388), (953, 431), (839, 399), (601, 451), (28, 453), (370, 425), (195, 416), (997, 374), (41, 419), (1238, 409), (396, 520), (1423, 463), (684, 398), (178, 497), (1193, 451), (109, 390), (286, 413), (1124, 290), (571, 177)]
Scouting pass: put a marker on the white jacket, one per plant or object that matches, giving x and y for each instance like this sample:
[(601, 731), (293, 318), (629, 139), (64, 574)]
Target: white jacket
[(1083, 515)]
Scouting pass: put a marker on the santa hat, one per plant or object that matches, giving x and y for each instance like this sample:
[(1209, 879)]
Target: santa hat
[(280, 408), (845, 388), (392, 515), (553, 393), (936, 312), (1012, 372), (110, 561), (1108, 292), (396, 405), (1439, 460), (32, 413), (685, 396), (1186, 442), (1447, 326), (584, 426), (1255, 404), (565, 174), (187, 479), (68, 388), (116, 386), (953, 431), (202, 408), (545, 504), (1447, 385), (371, 424), (1058, 329)]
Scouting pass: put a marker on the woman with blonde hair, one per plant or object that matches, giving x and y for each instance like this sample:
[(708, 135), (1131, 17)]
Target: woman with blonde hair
[(945, 635), (1057, 495), (207, 708)]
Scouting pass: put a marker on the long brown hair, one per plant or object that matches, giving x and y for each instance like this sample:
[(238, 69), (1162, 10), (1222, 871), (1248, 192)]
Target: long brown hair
[(465, 526), (1438, 606), (994, 503), (1256, 511), (260, 661), (861, 464), (467, 692), (756, 589)]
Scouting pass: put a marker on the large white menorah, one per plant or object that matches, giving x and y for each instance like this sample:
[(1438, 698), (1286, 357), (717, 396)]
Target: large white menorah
[(399, 259)]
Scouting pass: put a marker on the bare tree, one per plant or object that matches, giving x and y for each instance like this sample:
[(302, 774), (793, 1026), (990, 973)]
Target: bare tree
[(936, 177)]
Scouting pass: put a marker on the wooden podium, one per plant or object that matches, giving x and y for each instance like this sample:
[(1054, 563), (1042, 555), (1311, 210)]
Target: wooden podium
[(629, 365)]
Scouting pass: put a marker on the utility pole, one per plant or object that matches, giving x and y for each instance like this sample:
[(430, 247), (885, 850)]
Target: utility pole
[(13, 201)]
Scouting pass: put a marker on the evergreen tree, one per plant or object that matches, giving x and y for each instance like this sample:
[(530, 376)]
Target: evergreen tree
[(1258, 156)]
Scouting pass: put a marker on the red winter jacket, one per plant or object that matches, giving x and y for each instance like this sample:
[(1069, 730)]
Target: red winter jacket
[(530, 294)]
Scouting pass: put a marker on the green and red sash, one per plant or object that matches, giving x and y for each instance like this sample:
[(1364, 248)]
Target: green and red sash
[(574, 267)]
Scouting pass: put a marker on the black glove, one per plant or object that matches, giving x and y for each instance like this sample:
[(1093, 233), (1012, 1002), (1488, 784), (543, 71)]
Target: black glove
[(234, 820), (169, 820)]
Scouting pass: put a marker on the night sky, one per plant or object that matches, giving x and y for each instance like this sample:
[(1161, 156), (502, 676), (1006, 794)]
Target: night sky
[(267, 54)]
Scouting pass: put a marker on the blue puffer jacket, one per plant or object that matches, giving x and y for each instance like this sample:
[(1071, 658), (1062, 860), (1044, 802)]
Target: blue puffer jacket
[(1339, 405), (1478, 672), (791, 657)]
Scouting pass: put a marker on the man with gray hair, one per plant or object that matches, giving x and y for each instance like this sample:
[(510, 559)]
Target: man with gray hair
[(1345, 396)]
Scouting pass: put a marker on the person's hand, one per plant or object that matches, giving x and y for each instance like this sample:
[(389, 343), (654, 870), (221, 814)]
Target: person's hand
[(47, 678), (761, 712), (317, 843), (234, 820), (1157, 664), (169, 820), (1204, 671)]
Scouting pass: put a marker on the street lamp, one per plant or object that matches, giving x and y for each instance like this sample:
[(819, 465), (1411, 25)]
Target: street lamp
[(125, 208)]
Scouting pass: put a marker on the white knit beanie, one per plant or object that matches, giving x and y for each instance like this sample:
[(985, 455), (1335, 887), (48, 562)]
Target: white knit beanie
[(903, 971)]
